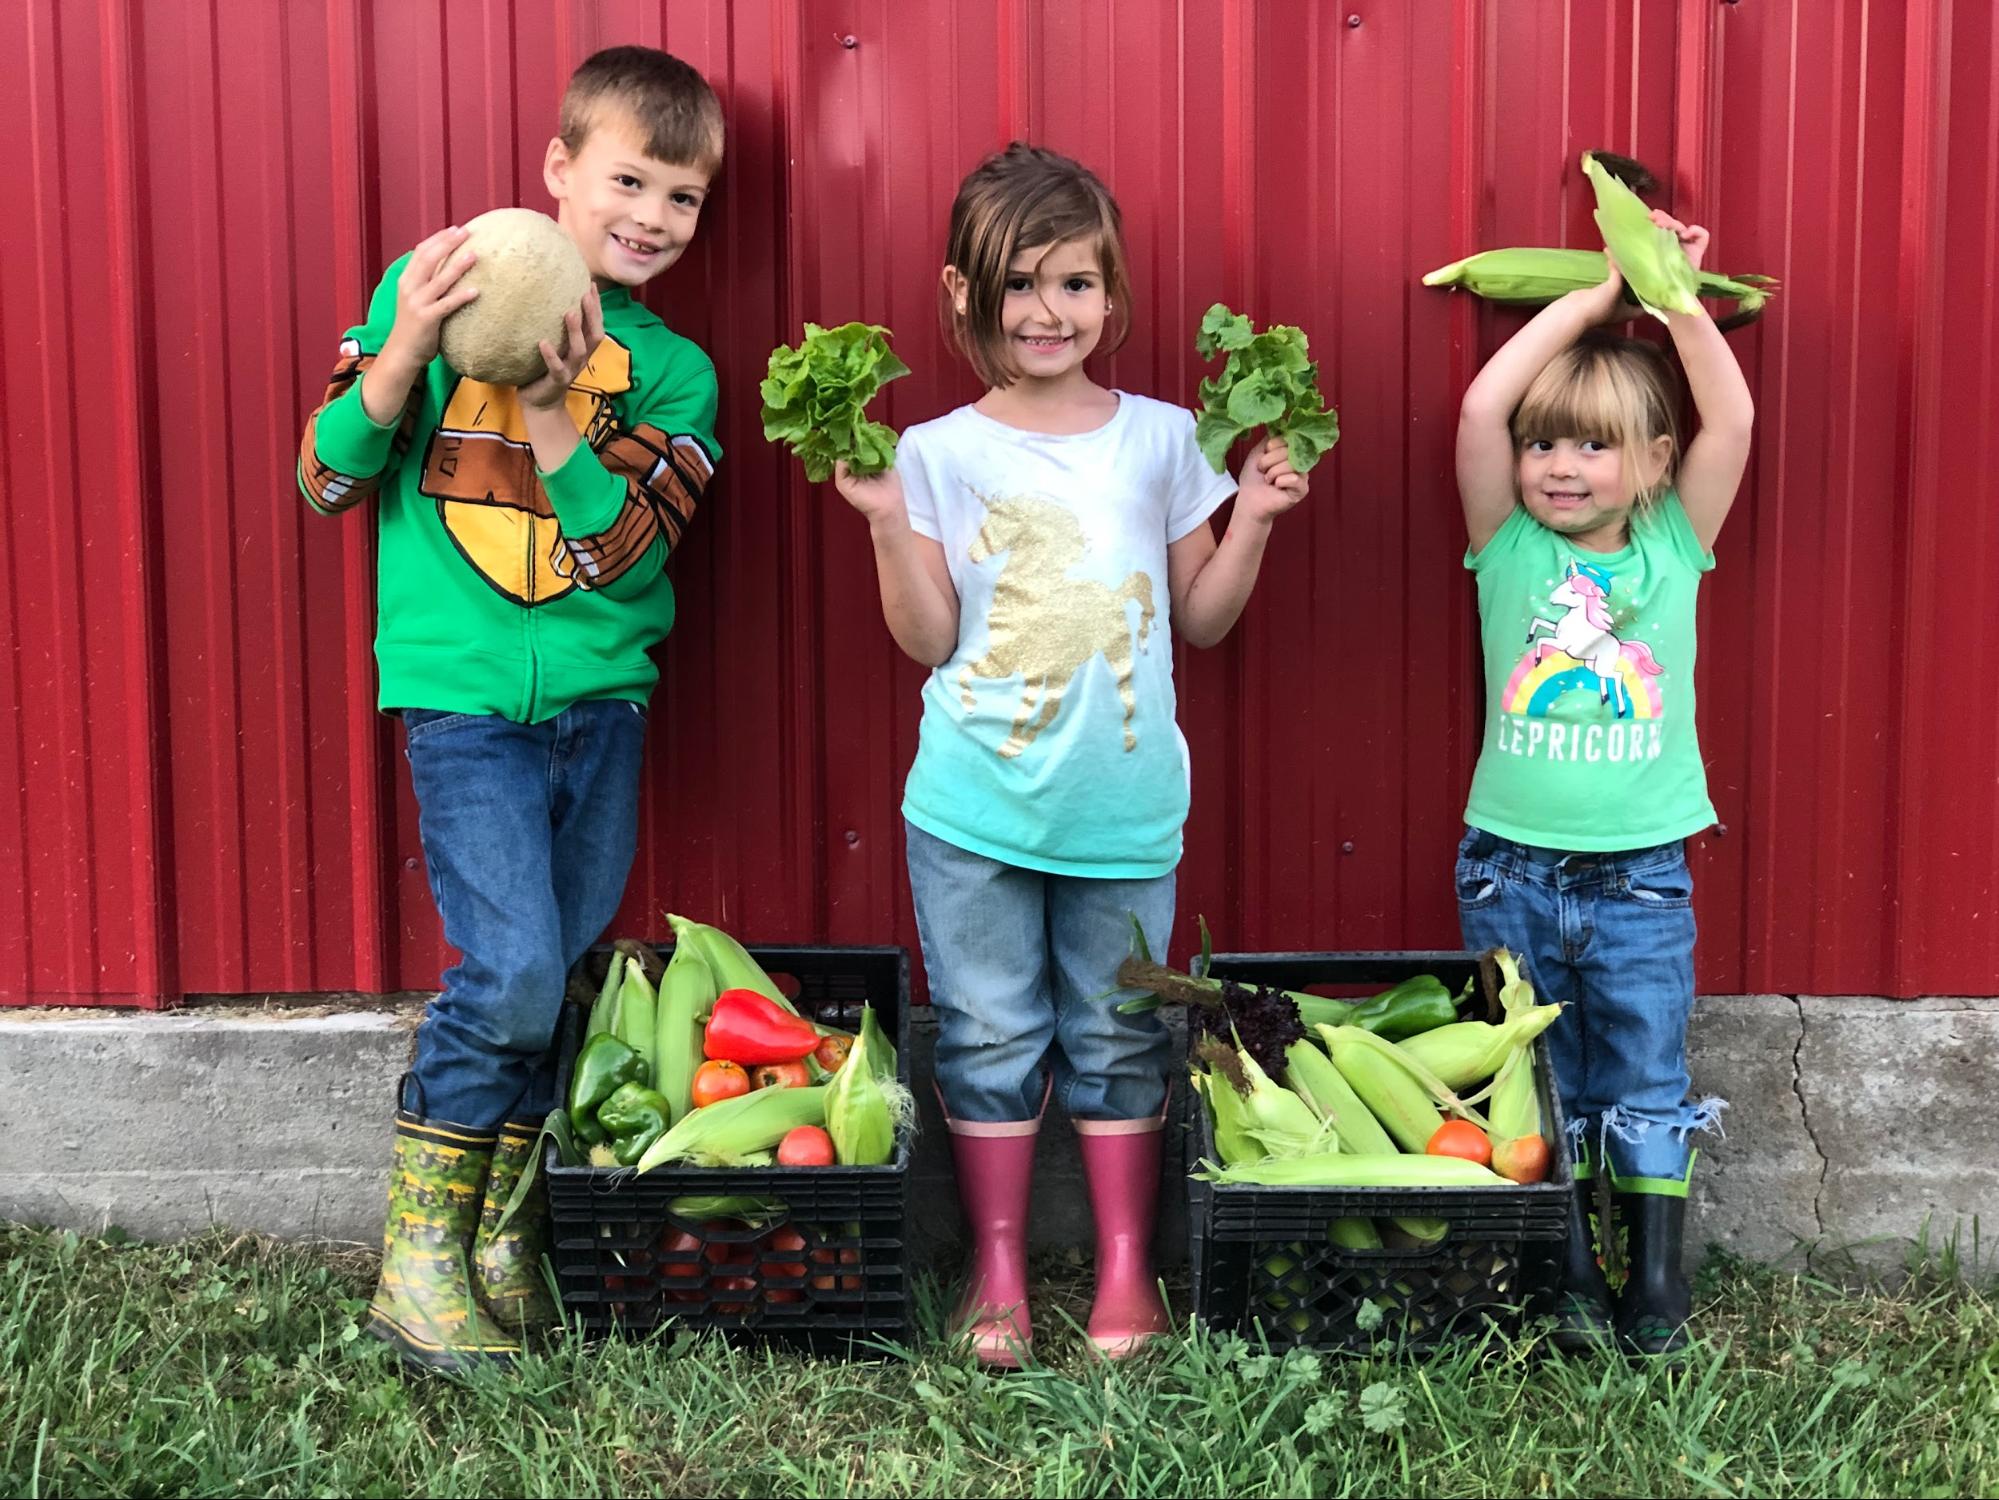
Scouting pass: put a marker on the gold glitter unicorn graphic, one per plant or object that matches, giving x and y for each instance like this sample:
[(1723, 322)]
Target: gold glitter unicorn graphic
[(1045, 626)]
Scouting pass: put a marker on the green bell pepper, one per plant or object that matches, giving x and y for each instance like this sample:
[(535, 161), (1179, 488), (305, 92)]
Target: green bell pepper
[(1415, 1005), (633, 1117), (603, 1067)]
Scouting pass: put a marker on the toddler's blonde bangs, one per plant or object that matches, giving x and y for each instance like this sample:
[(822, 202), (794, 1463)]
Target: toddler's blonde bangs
[(1615, 391)]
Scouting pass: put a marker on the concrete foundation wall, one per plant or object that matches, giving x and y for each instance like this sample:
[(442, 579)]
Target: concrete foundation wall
[(1853, 1123)]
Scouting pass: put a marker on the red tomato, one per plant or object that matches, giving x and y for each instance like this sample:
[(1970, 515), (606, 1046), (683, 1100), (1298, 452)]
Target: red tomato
[(1461, 1138), (1522, 1159), (832, 1052), (717, 1079), (780, 1075), (806, 1146), (687, 1269), (784, 1239), (735, 1254)]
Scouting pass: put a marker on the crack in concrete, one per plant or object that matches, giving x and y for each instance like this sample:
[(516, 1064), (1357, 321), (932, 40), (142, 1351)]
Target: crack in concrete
[(1805, 1114)]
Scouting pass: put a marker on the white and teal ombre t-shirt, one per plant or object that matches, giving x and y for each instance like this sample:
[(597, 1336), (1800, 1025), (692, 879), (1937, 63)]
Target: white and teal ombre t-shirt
[(1048, 739)]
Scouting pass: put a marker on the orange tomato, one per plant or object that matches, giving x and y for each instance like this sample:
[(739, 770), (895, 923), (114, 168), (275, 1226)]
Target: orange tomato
[(1461, 1138), (823, 1255), (780, 1075), (717, 1079), (1522, 1159)]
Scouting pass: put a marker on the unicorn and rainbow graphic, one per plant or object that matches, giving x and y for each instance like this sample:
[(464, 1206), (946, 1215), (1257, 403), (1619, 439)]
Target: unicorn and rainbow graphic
[(1581, 649)]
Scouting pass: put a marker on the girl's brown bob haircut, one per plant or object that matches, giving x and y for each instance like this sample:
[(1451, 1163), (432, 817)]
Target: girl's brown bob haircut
[(1615, 390), (1019, 199)]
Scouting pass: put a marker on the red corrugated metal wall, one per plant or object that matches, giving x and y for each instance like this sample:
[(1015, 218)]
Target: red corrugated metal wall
[(203, 191)]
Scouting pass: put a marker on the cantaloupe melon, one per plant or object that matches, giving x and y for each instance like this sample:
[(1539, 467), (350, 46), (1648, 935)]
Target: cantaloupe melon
[(529, 274)]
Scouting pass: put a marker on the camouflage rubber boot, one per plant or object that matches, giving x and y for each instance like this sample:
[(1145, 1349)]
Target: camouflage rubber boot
[(424, 1306), (507, 1261)]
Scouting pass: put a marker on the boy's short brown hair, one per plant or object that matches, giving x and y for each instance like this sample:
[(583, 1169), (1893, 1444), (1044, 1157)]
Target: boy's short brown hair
[(1014, 200), (675, 110)]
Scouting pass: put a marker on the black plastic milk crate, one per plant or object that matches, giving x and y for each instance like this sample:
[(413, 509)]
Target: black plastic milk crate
[(828, 1268), (1264, 1264)]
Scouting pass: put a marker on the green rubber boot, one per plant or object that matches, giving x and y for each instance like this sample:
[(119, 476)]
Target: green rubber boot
[(1655, 1303), (508, 1261), (424, 1307)]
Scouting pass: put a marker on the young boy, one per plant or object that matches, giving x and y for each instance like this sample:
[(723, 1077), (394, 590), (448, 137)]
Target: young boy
[(523, 534)]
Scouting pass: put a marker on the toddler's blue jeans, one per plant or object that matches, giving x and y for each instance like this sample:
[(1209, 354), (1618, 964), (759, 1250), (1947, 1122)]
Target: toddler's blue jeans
[(528, 834), (1610, 936)]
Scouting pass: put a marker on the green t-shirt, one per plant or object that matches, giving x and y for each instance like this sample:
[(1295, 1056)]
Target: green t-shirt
[(1589, 686), (501, 589)]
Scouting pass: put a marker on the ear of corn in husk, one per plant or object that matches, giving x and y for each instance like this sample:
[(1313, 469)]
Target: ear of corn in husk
[(1654, 266), (728, 960), (1342, 1169), (604, 1014), (1534, 276), (638, 1011), (1403, 1094), (1263, 1117), (1312, 1075), (1519, 1142), (686, 995), (864, 1102), (1466, 1051), (737, 1132)]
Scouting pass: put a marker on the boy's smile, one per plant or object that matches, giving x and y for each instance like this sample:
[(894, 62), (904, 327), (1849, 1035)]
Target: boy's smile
[(630, 214)]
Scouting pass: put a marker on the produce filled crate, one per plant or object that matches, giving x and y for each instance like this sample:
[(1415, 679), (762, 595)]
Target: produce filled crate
[(820, 1264), (1264, 1264)]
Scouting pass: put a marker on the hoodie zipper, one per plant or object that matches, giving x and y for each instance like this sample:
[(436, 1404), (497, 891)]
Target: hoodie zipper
[(529, 633)]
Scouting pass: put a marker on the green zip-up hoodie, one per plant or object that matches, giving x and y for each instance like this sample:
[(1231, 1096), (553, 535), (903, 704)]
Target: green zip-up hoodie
[(501, 589)]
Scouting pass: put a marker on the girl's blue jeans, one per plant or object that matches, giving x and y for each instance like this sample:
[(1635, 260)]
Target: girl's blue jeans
[(1611, 937), (528, 834), (1019, 963)]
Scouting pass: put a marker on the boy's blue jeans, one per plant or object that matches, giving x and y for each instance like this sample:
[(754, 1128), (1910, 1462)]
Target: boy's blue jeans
[(1018, 961), (528, 833), (1610, 936)]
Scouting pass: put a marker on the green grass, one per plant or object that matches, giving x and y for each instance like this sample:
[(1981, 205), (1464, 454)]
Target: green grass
[(235, 1365)]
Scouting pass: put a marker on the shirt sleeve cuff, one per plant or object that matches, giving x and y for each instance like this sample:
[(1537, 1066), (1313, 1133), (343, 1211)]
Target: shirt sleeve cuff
[(350, 440), (586, 496)]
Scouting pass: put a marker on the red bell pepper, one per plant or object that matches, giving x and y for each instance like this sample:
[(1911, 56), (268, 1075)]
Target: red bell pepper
[(747, 1028)]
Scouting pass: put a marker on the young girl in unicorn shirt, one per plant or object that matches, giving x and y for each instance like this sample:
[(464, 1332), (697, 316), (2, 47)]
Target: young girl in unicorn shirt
[(1033, 548), (1591, 527)]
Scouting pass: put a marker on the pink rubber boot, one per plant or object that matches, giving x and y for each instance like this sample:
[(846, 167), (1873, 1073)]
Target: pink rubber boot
[(1121, 1163), (995, 1171)]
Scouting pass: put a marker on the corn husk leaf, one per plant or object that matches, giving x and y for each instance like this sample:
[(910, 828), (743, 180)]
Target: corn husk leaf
[(1654, 266)]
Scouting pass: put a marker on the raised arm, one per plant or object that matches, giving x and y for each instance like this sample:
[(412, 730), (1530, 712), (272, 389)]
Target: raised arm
[(1487, 482), (624, 497), (1711, 472), (357, 436)]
